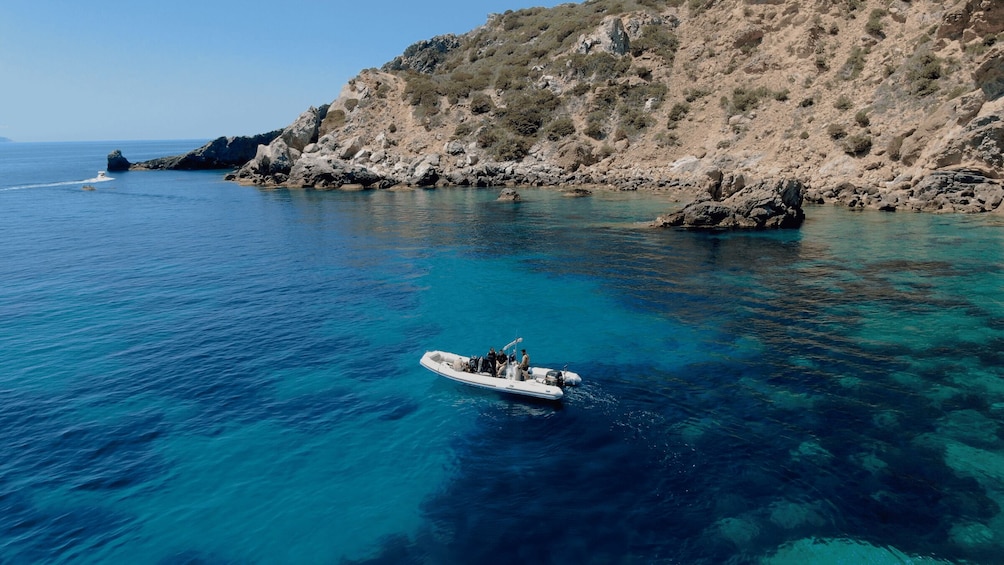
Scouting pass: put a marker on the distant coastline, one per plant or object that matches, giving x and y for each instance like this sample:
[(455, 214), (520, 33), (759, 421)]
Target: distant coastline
[(6, 140)]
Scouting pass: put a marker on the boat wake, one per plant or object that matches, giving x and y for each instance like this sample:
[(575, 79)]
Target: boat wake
[(100, 178)]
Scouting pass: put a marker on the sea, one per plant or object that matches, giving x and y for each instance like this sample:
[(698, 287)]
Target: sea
[(198, 372)]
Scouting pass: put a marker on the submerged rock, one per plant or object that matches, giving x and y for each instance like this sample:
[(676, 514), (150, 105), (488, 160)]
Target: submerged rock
[(509, 194)]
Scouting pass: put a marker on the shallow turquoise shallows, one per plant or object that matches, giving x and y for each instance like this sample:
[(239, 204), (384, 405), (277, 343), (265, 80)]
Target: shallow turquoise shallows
[(193, 371)]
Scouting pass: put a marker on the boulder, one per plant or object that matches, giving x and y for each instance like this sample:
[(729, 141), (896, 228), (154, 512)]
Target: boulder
[(270, 166), (962, 190), (426, 172), (304, 130), (981, 143), (509, 194), (610, 37), (989, 76), (765, 204), (319, 171)]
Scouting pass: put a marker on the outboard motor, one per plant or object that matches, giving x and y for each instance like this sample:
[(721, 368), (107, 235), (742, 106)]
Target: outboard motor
[(554, 378)]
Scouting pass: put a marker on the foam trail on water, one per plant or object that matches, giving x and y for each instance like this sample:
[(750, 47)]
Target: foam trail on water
[(99, 178)]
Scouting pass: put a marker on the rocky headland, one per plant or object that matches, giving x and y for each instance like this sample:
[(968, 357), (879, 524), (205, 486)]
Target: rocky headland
[(736, 105), (220, 153)]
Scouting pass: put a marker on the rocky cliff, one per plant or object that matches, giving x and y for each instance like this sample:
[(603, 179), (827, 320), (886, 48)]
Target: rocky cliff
[(885, 104), (220, 153)]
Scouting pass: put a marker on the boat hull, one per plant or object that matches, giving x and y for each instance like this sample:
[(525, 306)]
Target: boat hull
[(444, 364)]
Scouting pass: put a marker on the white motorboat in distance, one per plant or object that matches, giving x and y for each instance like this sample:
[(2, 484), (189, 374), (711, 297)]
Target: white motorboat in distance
[(541, 382)]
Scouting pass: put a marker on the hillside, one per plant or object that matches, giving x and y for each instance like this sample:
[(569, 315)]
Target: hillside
[(870, 103)]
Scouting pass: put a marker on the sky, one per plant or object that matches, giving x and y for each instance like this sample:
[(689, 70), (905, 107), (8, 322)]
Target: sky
[(76, 70)]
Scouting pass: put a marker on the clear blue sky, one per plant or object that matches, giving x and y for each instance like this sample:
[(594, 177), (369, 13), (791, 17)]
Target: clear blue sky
[(75, 70)]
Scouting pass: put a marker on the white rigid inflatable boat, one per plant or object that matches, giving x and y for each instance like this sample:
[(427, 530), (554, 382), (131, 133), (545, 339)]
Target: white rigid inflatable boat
[(541, 382)]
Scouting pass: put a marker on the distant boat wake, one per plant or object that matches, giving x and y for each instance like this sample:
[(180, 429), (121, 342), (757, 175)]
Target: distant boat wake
[(100, 178)]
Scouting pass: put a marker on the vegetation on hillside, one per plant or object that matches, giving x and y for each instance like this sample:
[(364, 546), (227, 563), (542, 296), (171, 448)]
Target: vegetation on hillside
[(529, 76)]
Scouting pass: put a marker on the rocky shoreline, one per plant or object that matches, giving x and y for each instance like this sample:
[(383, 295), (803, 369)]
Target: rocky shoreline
[(295, 158), (893, 106)]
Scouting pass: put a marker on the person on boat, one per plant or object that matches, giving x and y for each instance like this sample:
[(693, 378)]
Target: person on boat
[(524, 366), (502, 358), (491, 360)]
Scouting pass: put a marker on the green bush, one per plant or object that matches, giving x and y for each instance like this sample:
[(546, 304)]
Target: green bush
[(667, 139), (580, 88), (510, 148), (641, 94), (676, 113), (510, 78), (334, 119), (481, 103), (855, 63), (421, 92), (489, 136), (692, 94), (745, 99), (463, 130), (858, 144), (923, 75), (874, 25), (862, 118), (526, 113), (836, 131), (559, 128), (843, 103), (633, 120), (594, 125), (657, 40), (599, 66)]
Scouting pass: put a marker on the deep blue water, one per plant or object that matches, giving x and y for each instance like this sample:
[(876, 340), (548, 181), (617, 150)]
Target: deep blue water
[(193, 371)]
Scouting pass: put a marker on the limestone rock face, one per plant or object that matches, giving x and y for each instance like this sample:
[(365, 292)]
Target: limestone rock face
[(984, 17), (270, 165), (425, 56), (323, 172), (763, 205), (981, 142), (303, 131), (609, 38), (990, 74), (426, 172), (958, 191)]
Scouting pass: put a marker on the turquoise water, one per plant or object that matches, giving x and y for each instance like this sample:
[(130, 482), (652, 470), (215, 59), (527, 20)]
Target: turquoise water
[(192, 371)]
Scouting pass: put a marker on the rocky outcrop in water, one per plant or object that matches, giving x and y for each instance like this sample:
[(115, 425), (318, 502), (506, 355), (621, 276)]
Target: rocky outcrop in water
[(220, 153), (762, 205), (116, 162), (508, 195)]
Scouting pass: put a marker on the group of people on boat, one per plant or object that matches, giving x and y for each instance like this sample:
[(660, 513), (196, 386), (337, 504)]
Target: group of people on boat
[(495, 363)]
